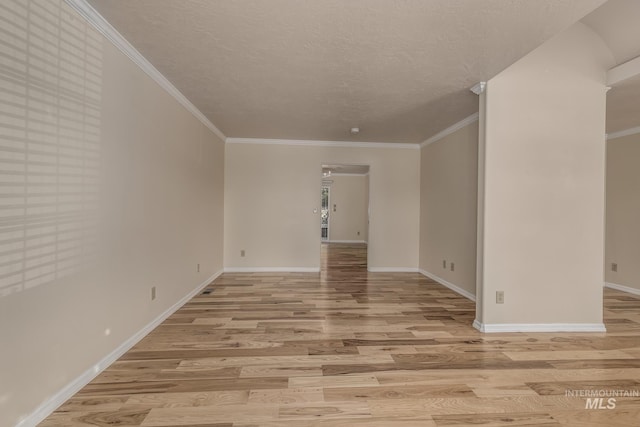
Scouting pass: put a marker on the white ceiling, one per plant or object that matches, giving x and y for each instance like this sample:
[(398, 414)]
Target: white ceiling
[(618, 24), (312, 69)]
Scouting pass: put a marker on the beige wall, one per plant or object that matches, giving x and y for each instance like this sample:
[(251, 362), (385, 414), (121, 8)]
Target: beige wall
[(448, 201), (349, 193), (544, 158), (271, 192), (623, 211), (126, 193)]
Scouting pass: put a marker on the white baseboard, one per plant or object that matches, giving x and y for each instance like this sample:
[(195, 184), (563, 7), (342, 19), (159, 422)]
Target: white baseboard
[(622, 288), (272, 269), (51, 404), (392, 269), (346, 241), (454, 288), (539, 327)]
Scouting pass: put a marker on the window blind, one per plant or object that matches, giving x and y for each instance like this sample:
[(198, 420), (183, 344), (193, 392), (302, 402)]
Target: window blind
[(50, 102)]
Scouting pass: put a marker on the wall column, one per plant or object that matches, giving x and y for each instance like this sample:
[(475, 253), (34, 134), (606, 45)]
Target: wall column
[(541, 189)]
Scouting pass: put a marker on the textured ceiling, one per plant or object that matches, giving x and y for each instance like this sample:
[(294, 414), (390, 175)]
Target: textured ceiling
[(617, 23), (312, 69)]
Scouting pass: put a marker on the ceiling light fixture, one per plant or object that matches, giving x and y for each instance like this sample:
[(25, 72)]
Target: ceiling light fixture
[(355, 131)]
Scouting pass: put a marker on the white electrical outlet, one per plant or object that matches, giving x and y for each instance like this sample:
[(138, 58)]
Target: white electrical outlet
[(242, 252), (153, 293), (499, 297)]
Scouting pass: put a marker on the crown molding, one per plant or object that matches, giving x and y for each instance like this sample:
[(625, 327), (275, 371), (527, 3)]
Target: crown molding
[(315, 143), (451, 129), (94, 18), (621, 133), (478, 88)]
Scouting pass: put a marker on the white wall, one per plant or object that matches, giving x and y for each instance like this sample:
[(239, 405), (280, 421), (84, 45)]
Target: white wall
[(350, 195), (448, 201), (623, 211), (123, 191), (543, 212), (271, 192)]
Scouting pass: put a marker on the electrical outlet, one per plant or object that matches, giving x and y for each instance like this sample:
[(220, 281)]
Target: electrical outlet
[(242, 252), (444, 264), (358, 233), (153, 293), (499, 297), (614, 266), (198, 268), (453, 266)]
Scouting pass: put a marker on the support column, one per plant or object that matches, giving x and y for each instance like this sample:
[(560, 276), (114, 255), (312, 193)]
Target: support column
[(541, 189)]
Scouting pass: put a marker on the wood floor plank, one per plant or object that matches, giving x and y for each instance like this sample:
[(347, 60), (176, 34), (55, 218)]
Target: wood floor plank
[(424, 421), (94, 404), (287, 396), (161, 417), (396, 392), (496, 420), (347, 347), (336, 381), (125, 418), (560, 388), (329, 410), (568, 355), (474, 405), (596, 418), (187, 399)]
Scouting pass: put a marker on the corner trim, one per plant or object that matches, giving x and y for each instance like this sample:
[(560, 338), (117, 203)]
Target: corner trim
[(94, 18), (451, 129), (392, 270), (478, 88), (621, 133), (315, 143), (538, 327), (272, 269), (454, 288), (52, 403), (622, 288)]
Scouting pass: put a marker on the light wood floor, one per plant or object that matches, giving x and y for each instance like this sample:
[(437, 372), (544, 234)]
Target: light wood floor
[(351, 348)]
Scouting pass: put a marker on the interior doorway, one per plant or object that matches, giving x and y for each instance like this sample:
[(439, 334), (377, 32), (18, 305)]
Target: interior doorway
[(344, 213), (324, 212)]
